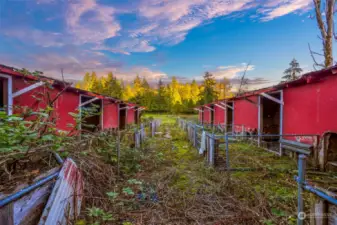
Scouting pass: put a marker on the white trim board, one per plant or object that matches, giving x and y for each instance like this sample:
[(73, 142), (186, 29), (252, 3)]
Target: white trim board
[(29, 88), (272, 98)]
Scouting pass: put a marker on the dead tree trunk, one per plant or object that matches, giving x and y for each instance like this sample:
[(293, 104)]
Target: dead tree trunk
[(326, 28)]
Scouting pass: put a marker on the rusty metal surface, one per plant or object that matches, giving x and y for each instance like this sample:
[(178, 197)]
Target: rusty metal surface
[(65, 200)]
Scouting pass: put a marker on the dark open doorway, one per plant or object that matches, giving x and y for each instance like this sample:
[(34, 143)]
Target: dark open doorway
[(229, 113), (90, 114), (332, 153), (270, 116), (212, 114), (202, 115), (122, 116), (2, 99), (136, 115)]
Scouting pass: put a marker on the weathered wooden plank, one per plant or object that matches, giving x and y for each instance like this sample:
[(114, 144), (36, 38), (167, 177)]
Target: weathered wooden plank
[(65, 200), (6, 215)]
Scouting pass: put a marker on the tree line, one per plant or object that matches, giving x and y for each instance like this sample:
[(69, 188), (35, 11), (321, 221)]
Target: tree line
[(173, 97)]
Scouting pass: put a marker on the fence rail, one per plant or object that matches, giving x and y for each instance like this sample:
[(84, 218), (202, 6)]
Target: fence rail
[(210, 145)]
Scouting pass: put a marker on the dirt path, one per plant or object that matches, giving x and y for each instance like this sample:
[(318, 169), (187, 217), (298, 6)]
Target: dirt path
[(165, 182), (188, 191)]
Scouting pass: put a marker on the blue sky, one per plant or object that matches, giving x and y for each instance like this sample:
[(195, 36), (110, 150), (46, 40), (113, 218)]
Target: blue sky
[(158, 38)]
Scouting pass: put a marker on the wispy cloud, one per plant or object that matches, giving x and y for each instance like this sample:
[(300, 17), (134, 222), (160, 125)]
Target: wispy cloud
[(84, 29), (228, 72), (89, 21), (43, 38), (159, 22), (143, 72), (127, 46), (277, 8)]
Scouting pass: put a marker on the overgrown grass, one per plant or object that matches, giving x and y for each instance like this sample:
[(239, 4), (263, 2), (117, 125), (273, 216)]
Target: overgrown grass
[(269, 187), (166, 182), (169, 118)]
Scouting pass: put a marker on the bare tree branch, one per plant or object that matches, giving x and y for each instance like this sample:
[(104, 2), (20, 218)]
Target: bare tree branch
[(314, 59), (243, 81), (319, 18)]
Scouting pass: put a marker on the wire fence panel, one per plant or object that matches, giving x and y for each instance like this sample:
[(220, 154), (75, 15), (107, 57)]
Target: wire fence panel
[(268, 163)]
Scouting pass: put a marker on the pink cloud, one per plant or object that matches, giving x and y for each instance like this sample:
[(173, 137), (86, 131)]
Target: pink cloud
[(278, 8), (100, 27)]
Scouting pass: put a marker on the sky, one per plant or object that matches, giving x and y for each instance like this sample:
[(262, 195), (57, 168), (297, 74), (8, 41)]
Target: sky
[(158, 39)]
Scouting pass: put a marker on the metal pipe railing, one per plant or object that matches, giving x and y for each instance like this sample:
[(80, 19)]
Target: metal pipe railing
[(304, 186), (28, 189), (297, 147)]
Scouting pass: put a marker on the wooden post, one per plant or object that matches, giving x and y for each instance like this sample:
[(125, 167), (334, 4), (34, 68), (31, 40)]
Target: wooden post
[(118, 151)]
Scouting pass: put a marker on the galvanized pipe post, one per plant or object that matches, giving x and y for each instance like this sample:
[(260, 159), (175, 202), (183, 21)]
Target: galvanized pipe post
[(243, 131), (152, 128), (211, 150), (118, 151), (227, 151), (300, 181), (195, 136)]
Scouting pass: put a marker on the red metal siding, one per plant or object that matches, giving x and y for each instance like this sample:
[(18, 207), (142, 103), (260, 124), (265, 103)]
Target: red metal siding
[(37, 99), (131, 114), (27, 99), (311, 108), (207, 116), (110, 115), (219, 115), (66, 103), (246, 113)]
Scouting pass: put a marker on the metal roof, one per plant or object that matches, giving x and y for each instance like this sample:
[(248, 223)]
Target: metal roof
[(55, 82)]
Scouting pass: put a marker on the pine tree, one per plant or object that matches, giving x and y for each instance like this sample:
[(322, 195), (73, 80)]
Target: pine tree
[(128, 93), (137, 85), (145, 84), (208, 94), (93, 84), (293, 72), (195, 92), (223, 88), (175, 95)]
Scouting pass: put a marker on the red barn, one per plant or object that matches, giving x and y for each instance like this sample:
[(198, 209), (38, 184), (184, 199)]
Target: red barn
[(305, 106), (21, 92)]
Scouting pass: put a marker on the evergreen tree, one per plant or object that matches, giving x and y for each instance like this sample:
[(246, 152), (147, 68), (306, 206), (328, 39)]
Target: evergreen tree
[(195, 92), (173, 97), (293, 72), (128, 94), (209, 94), (223, 88), (145, 84), (137, 85)]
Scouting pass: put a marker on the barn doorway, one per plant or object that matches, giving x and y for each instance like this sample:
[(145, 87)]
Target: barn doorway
[(136, 115), (122, 116), (4, 94), (202, 115), (91, 109), (212, 114), (271, 116), (229, 113), (332, 153)]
